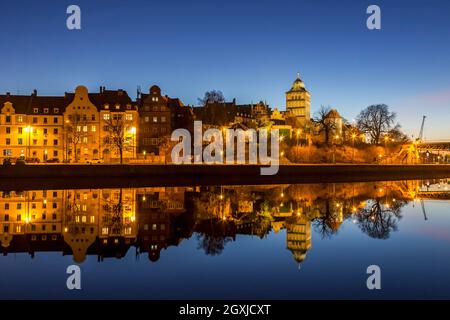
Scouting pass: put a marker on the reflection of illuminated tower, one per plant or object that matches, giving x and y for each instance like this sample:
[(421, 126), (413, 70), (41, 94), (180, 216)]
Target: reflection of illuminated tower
[(298, 236), (337, 214)]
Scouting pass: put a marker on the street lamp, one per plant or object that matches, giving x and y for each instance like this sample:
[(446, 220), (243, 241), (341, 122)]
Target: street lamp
[(336, 137), (28, 130), (353, 147), (133, 132)]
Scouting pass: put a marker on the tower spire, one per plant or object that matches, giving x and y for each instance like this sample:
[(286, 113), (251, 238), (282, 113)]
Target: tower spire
[(298, 75)]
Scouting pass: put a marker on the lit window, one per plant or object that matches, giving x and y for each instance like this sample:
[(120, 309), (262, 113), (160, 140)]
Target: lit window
[(106, 116), (92, 220), (94, 128), (154, 226), (18, 229), (128, 230), (147, 119), (85, 139), (35, 110), (78, 128), (155, 119), (85, 128), (84, 209), (163, 119), (77, 218), (20, 119), (105, 230), (83, 219), (129, 116), (45, 110)]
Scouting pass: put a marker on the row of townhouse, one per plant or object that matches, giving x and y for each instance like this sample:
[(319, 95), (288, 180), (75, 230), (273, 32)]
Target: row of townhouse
[(83, 126)]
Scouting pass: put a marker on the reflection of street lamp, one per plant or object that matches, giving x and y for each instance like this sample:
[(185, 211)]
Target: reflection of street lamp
[(28, 130), (145, 154)]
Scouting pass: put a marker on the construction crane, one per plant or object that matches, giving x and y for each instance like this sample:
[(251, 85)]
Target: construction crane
[(419, 139)]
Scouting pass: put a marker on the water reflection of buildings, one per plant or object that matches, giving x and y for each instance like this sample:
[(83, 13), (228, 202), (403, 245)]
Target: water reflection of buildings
[(108, 223)]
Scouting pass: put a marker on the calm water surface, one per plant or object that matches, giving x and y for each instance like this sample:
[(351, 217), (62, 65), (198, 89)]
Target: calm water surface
[(230, 242)]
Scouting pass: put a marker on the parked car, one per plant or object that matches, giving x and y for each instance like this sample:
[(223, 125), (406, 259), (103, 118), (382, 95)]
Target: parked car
[(7, 161), (20, 161), (32, 160), (95, 160), (52, 160)]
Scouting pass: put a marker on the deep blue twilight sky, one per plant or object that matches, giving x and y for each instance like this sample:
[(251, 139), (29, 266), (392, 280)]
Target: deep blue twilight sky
[(249, 49)]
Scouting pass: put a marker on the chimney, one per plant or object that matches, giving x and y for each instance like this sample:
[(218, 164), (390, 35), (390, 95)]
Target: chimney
[(34, 92), (8, 94)]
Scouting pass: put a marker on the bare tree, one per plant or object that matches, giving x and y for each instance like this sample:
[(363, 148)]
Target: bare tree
[(375, 121), (325, 125), (116, 138), (75, 132), (397, 135), (213, 96)]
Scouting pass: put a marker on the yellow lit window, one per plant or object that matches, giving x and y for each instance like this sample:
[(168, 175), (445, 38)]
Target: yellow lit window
[(92, 220), (83, 219), (94, 128), (106, 116), (105, 230)]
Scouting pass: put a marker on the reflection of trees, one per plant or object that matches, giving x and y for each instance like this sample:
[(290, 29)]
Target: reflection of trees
[(214, 235), (325, 224), (212, 244), (378, 220)]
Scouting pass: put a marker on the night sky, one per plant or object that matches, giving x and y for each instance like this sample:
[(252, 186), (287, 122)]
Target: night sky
[(249, 49)]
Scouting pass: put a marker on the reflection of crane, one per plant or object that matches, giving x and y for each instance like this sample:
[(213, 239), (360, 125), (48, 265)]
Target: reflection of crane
[(419, 139), (423, 209)]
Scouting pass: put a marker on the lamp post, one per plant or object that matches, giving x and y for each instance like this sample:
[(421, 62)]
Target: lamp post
[(336, 137), (133, 132), (28, 130), (353, 147), (66, 143)]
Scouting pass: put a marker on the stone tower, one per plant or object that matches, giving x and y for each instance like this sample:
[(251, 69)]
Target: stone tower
[(298, 104)]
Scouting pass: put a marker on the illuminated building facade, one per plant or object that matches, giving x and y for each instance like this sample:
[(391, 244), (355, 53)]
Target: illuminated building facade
[(76, 127)]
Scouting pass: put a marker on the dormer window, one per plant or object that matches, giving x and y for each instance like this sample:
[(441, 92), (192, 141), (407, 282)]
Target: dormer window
[(128, 107), (117, 107), (56, 110), (45, 110), (106, 106), (35, 110)]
